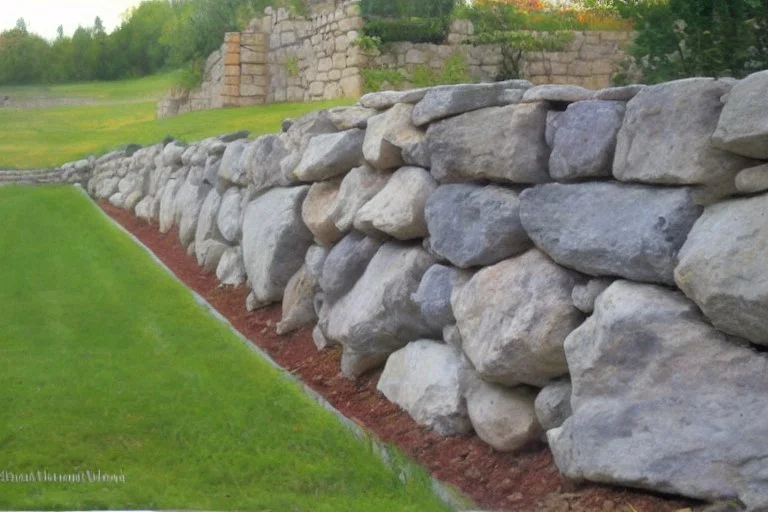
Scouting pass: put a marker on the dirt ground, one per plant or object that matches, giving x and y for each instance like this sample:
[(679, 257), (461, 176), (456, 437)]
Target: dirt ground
[(526, 481)]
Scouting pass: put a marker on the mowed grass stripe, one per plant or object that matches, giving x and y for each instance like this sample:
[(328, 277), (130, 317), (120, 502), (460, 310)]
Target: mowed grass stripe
[(106, 363)]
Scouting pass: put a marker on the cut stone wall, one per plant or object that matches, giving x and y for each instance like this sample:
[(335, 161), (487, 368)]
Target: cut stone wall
[(521, 259), (283, 57), (590, 59)]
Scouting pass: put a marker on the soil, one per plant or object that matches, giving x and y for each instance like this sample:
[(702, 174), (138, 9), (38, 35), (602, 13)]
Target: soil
[(526, 481)]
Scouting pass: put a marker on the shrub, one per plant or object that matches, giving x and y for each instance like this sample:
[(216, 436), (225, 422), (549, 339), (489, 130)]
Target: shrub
[(407, 8), (685, 38), (415, 30)]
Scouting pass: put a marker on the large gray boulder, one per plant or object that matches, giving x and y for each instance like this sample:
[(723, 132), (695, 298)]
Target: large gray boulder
[(398, 209), (330, 155), (505, 144), (167, 215), (318, 212), (611, 229), (232, 171), (386, 99), (666, 134), (228, 216), (275, 241), (585, 140), (502, 417), (298, 302), (172, 154), (357, 188), (378, 316), (207, 228), (723, 267), (346, 118), (471, 225), (425, 379), (553, 404), (663, 401), (231, 269), (346, 263), (261, 162), (434, 294), (390, 136), (513, 318), (743, 125), (449, 100), (585, 295)]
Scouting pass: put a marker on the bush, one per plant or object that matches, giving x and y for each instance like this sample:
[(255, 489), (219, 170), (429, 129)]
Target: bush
[(685, 38), (415, 30), (407, 8)]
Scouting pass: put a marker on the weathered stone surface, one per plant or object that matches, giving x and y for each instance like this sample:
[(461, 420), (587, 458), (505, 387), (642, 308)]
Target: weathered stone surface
[(398, 209), (666, 134), (611, 229), (584, 295), (346, 263), (449, 100), (513, 318), (471, 225), (298, 302), (559, 93), (262, 162), (424, 378), (209, 253), (753, 180), (274, 250), (231, 269), (584, 142), (622, 93), (315, 260), (144, 209), (189, 200), (228, 217), (502, 417), (392, 140), (743, 124), (232, 137), (318, 210), (378, 316), (663, 401), (357, 188), (386, 99), (211, 173), (723, 267), (553, 404), (167, 204), (500, 143), (207, 228), (172, 154), (307, 127), (346, 118), (434, 294), (231, 171), (387, 136), (330, 155)]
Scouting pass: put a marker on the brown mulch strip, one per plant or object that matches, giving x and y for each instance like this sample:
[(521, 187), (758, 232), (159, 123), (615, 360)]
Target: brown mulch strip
[(527, 481)]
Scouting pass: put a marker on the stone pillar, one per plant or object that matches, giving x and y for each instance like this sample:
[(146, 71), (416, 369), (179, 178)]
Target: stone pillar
[(231, 89), (254, 76)]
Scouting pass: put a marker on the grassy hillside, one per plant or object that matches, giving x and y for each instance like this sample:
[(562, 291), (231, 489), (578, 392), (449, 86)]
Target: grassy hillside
[(147, 88), (107, 364), (47, 137)]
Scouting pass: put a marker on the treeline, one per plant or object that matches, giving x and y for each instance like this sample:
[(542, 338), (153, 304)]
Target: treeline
[(155, 36)]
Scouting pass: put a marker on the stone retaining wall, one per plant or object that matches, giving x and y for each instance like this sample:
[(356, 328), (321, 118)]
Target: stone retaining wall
[(524, 261)]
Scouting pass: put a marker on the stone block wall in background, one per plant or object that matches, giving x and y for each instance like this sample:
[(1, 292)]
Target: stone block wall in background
[(284, 57)]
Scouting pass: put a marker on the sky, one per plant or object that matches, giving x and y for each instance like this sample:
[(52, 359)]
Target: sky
[(44, 16)]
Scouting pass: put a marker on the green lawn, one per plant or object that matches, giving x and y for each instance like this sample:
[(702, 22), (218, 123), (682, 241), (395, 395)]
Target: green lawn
[(107, 364), (147, 88), (42, 138)]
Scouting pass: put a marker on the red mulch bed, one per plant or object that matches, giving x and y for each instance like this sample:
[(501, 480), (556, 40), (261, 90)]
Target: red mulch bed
[(525, 482)]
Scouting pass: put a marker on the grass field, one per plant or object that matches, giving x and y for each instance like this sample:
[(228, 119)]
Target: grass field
[(42, 138), (147, 88), (107, 364)]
